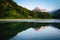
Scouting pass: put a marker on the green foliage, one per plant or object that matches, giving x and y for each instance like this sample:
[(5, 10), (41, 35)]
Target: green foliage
[(10, 29), (41, 15), (9, 9)]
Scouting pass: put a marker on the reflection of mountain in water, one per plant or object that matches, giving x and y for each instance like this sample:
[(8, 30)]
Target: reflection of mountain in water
[(10, 29), (48, 33), (40, 28)]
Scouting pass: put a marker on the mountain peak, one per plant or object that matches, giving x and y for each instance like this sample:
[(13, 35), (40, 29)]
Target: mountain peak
[(38, 9), (44, 10)]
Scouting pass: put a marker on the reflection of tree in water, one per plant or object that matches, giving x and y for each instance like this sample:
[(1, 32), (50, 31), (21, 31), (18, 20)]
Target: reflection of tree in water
[(57, 25), (8, 30)]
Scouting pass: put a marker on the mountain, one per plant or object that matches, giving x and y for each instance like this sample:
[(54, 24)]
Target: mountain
[(10, 10), (40, 10), (56, 14), (37, 9), (44, 10)]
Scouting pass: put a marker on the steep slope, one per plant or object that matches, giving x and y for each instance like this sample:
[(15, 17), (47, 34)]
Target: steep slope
[(56, 14), (10, 10)]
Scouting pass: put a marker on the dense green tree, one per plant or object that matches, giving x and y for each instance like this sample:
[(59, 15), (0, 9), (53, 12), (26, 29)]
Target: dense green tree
[(9, 9)]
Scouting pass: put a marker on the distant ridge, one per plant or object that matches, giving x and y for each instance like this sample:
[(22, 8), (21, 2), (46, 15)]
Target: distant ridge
[(38, 9)]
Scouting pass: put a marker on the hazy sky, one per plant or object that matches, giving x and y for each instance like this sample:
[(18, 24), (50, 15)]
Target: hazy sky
[(43, 4)]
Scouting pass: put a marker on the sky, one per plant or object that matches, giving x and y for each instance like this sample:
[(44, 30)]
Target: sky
[(42, 4)]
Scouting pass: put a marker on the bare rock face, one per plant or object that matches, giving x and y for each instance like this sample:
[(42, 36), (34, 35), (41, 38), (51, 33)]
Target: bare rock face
[(44, 10), (37, 9), (40, 10)]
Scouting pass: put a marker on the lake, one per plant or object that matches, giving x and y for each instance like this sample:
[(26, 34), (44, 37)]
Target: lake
[(27, 29), (42, 33)]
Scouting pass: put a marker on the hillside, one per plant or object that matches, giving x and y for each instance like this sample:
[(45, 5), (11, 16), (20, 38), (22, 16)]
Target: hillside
[(56, 14), (10, 10)]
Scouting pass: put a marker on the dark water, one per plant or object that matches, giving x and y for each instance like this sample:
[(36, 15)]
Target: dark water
[(44, 33), (29, 31)]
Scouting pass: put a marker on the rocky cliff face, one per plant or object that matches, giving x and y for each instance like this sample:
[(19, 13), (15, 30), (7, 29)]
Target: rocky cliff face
[(37, 9), (40, 10)]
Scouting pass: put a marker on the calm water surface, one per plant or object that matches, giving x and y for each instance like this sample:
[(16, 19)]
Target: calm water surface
[(43, 33), (30, 29)]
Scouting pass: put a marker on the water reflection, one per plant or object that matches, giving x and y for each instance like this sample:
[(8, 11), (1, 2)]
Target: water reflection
[(10, 29), (42, 27), (43, 33)]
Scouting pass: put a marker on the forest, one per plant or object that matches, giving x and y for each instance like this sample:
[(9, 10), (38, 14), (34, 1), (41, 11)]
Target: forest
[(10, 10)]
